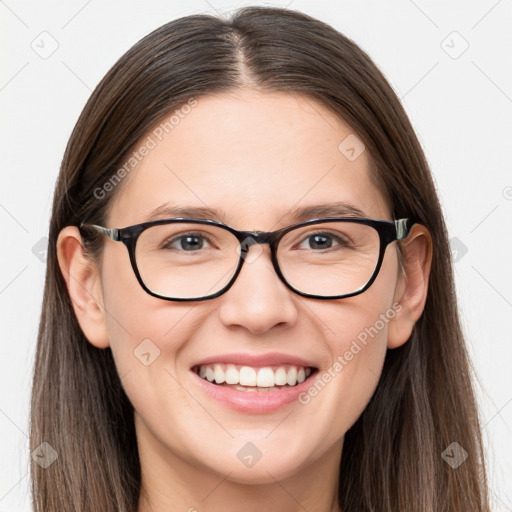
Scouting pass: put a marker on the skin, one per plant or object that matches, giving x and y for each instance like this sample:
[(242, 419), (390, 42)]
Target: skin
[(255, 156)]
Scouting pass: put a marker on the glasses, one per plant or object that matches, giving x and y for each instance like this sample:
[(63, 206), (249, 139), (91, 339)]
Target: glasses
[(185, 259)]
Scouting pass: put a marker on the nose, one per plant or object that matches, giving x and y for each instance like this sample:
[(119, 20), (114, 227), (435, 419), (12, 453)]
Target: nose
[(258, 300)]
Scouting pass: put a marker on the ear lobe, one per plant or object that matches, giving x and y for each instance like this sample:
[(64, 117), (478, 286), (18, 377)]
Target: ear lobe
[(412, 286), (84, 286)]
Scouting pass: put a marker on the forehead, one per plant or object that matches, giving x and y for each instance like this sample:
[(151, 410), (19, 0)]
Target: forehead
[(252, 159)]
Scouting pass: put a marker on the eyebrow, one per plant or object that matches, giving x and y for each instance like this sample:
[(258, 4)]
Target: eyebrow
[(339, 209), (299, 214)]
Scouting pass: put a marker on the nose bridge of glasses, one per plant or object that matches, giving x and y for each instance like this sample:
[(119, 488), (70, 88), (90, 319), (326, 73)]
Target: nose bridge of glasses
[(255, 237)]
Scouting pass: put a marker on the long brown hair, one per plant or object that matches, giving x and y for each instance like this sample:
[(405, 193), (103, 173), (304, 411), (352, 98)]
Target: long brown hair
[(392, 456)]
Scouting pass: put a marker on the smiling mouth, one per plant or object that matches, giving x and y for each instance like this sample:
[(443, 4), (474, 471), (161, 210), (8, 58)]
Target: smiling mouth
[(259, 379)]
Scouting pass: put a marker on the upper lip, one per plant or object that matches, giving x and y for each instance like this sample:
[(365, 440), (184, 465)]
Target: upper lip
[(257, 360)]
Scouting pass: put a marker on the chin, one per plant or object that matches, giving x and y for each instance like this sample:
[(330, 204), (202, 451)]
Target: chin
[(277, 465)]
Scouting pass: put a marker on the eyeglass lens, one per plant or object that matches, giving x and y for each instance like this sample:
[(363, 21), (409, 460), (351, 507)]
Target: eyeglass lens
[(187, 260)]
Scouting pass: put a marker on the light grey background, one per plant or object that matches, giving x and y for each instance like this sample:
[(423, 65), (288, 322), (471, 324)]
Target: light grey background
[(459, 100)]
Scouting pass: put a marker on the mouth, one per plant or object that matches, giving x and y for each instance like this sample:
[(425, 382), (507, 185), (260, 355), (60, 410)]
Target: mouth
[(254, 378), (254, 383)]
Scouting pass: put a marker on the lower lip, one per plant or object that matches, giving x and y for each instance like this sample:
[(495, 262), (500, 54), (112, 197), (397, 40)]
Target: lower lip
[(254, 402)]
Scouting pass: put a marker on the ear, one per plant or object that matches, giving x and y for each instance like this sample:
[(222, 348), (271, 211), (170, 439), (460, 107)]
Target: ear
[(412, 285), (84, 286)]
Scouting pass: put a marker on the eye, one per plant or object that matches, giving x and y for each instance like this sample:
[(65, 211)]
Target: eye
[(188, 242), (325, 240)]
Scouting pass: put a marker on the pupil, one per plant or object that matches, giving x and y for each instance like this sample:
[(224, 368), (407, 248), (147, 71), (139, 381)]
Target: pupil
[(190, 242), (319, 241)]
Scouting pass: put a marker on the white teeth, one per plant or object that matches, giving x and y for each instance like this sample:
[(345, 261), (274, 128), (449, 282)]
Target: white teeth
[(291, 376), (280, 376), (209, 373), (264, 379), (218, 374), (247, 376), (232, 376)]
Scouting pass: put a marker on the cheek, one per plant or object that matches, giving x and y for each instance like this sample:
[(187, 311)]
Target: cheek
[(147, 336), (132, 315), (356, 331), (146, 333), (362, 320)]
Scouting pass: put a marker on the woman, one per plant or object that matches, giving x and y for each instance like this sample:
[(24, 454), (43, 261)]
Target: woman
[(279, 331)]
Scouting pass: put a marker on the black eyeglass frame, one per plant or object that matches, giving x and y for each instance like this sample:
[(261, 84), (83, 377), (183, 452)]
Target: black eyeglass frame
[(388, 231)]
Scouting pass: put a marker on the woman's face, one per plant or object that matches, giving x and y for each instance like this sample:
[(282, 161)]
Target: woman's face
[(254, 158)]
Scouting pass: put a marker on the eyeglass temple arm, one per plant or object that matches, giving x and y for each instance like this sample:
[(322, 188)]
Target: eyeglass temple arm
[(112, 233), (403, 226)]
